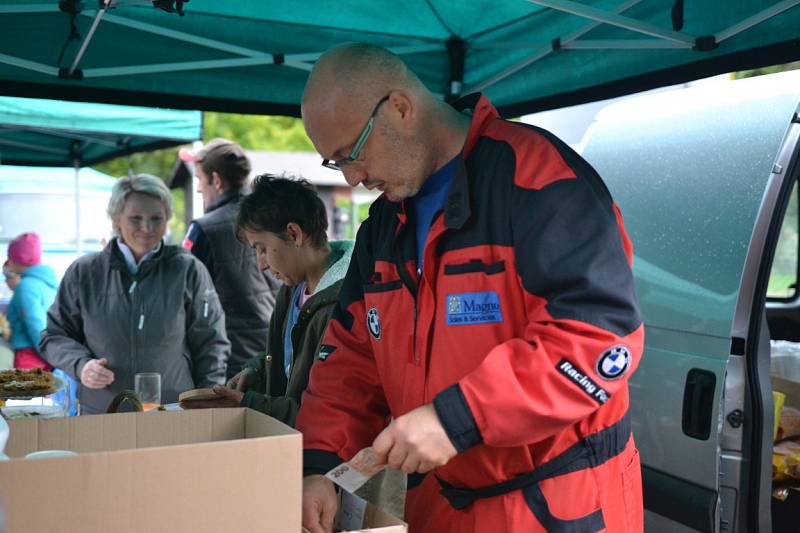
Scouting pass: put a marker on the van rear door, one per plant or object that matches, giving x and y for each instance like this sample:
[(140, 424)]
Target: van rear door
[(702, 176)]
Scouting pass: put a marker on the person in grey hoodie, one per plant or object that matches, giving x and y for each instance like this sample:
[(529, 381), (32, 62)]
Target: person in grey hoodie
[(137, 306)]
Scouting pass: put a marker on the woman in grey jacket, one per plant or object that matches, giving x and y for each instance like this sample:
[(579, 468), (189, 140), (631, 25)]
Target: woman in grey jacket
[(137, 306)]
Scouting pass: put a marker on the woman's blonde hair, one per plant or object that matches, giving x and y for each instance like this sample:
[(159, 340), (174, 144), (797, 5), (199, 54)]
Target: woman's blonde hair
[(141, 183)]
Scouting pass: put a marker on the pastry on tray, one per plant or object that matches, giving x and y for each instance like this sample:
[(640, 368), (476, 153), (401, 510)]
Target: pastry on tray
[(16, 383)]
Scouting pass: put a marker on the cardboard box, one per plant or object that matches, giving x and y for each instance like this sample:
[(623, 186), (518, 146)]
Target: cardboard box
[(205, 470), (357, 516)]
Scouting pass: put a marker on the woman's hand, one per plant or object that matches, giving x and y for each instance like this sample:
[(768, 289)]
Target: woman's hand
[(226, 397), (244, 381), (95, 375)]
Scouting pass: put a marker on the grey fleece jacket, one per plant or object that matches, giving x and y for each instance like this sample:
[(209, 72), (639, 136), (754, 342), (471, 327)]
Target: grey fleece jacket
[(166, 318)]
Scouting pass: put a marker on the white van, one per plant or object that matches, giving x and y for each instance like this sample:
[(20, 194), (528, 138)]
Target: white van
[(706, 179)]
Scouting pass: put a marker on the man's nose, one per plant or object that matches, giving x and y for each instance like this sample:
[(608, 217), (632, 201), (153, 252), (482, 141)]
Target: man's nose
[(353, 176)]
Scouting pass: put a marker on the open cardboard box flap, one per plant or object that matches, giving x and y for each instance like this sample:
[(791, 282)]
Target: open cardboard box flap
[(194, 471), (358, 516)]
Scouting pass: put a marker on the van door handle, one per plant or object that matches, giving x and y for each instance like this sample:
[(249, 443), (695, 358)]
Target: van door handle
[(698, 403)]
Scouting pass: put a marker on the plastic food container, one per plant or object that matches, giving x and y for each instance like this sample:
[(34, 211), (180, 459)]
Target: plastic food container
[(51, 405)]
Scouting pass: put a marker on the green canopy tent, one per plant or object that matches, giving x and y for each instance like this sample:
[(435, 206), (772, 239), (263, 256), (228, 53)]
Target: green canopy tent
[(73, 134), (253, 55), (52, 133)]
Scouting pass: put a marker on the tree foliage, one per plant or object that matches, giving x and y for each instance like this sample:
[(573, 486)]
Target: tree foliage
[(252, 132), (256, 132), (766, 70)]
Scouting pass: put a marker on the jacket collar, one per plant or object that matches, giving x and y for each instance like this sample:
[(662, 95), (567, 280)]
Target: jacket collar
[(483, 113), (457, 206), (341, 252), (117, 259), (226, 198)]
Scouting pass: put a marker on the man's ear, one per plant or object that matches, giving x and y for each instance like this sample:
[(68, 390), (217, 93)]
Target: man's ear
[(216, 181), (295, 234), (402, 108)]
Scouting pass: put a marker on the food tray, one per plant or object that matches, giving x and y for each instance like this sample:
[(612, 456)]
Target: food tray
[(58, 384)]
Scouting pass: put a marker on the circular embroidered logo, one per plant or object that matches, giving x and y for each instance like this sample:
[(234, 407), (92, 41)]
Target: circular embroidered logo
[(614, 362), (374, 323)]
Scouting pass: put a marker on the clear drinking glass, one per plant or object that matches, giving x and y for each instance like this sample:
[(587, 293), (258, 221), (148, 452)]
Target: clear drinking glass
[(148, 386)]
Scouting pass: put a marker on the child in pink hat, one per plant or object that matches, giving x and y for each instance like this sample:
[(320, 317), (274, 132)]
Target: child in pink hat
[(33, 295), (25, 250)]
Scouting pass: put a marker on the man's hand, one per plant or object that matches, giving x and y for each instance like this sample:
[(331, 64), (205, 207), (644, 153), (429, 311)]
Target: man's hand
[(225, 398), (245, 380), (319, 504), (415, 442), (95, 375)]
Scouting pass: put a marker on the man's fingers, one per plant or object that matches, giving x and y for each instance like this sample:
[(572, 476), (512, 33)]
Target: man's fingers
[(397, 456), (410, 465), (425, 466), (328, 515), (312, 520), (383, 444)]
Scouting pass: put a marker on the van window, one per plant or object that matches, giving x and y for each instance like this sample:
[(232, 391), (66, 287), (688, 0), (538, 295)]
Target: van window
[(783, 277)]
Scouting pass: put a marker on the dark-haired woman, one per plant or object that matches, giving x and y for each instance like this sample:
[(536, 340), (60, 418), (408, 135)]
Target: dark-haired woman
[(286, 222)]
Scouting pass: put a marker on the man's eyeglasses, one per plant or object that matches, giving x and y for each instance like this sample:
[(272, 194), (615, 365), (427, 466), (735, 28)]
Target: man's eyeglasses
[(360, 142)]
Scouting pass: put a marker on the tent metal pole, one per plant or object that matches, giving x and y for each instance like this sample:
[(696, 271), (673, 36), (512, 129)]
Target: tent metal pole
[(623, 44), (297, 61), (78, 243), (298, 65), (545, 51), (614, 19), (88, 38), (182, 36), (584, 44), (28, 65), (758, 18), (175, 67)]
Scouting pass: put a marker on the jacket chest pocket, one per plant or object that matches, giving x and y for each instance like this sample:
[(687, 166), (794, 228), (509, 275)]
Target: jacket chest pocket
[(474, 292), (475, 266), (389, 315), (162, 323), (107, 326)]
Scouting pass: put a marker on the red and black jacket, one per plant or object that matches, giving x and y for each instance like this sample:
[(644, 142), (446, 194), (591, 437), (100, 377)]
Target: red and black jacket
[(522, 329)]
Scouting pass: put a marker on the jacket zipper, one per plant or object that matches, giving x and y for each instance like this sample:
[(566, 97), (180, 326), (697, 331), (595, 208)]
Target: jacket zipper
[(412, 288), (134, 302), (414, 338)]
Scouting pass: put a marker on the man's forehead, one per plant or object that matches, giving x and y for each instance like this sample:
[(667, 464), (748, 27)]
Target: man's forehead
[(330, 125)]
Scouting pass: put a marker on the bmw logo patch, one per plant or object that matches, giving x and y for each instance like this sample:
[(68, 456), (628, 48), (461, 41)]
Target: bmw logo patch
[(374, 323), (614, 362)]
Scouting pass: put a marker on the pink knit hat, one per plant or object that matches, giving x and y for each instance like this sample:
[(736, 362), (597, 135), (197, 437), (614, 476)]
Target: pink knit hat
[(26, 250)]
